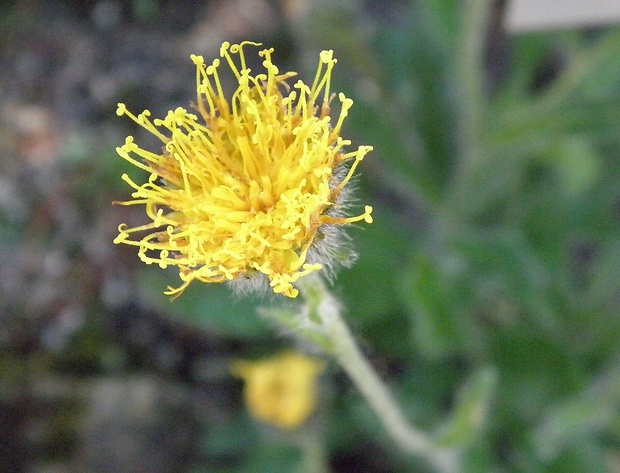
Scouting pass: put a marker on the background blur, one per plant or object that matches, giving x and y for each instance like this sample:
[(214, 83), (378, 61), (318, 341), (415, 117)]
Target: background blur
[(486, 292)]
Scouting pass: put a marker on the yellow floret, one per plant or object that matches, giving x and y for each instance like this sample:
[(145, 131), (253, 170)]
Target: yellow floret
[(243, 185)]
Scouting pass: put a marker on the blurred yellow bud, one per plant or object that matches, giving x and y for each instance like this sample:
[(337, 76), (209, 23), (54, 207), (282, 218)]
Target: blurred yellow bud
[(280, 390)]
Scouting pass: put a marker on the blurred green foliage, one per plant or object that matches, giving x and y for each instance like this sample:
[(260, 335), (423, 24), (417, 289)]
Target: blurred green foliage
[(486, 292), (492, 267)]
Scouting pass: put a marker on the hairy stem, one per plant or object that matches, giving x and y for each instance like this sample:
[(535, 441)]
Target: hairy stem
[(347, 353)]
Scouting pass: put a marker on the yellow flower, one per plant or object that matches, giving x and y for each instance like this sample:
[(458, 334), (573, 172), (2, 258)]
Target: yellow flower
[(281, 390), (247, 186)]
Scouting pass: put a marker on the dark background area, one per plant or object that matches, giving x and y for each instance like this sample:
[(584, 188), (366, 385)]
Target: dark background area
[(486, 292)]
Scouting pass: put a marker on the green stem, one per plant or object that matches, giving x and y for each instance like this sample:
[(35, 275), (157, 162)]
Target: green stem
[(314, 457), (346, 351), (587, 62), (470, 73), (472, 104)]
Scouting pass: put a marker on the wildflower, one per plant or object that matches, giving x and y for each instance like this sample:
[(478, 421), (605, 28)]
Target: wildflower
[(247, 186), (281, 390)]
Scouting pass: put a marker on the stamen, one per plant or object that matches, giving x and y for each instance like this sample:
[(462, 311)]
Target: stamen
[(244, 186)]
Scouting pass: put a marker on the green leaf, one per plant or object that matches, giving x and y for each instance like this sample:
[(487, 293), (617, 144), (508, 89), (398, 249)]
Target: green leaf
[(471, 411), (432, 303), (212, 307), (298, 324), (580, 417), (370, 288)]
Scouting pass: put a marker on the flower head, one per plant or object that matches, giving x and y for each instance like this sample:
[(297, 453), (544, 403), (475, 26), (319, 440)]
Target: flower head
[(245, 186), (281, 390)]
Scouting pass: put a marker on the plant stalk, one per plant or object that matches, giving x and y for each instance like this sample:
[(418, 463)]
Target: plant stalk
[(347, 353)]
